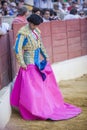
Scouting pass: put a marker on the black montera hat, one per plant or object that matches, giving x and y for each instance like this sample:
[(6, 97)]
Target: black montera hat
[(35, 19)]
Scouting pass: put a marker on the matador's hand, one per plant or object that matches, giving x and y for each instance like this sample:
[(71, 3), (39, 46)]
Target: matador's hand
[(24, 67)]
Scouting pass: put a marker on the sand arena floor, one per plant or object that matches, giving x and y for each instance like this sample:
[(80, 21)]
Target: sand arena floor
[(75, 92)]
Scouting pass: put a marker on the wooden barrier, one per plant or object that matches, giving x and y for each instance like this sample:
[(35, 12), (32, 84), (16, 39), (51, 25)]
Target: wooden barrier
[(5, 61), (63, 40)]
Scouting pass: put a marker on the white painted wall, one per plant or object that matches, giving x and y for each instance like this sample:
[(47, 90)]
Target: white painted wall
[(5, 108), (70, 69)]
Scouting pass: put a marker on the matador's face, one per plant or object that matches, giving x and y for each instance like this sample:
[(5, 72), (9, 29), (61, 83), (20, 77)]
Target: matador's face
[(32, 26)]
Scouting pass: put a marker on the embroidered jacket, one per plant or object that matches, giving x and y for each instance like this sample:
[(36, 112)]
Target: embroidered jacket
[(29, 46)]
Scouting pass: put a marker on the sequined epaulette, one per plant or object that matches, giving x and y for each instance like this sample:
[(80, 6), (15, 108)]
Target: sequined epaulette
[(24, 30)]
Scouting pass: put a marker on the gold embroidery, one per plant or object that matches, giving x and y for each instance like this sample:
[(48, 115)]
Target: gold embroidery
[(31, 46)]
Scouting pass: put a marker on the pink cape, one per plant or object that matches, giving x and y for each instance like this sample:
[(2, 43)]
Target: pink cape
[(38, 99)]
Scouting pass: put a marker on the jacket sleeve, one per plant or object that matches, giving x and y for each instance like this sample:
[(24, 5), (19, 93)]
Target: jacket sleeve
[(18, 49), (43, 50)]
